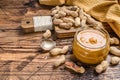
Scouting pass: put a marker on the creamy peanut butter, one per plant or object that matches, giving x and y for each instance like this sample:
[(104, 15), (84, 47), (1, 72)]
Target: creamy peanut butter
[(91, 38)]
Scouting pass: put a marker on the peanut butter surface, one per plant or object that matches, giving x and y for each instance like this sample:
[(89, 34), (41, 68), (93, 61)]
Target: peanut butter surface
[(91, 39)]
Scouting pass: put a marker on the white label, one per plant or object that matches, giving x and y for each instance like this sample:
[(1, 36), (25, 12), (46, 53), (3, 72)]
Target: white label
[(42, 23)]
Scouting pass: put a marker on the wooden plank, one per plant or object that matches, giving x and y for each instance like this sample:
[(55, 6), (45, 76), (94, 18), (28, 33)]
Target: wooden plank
[(12, 3), (20, 58), (62, 33)]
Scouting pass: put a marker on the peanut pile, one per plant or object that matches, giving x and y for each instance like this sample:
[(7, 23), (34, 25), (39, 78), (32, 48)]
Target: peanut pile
[(69, 17)]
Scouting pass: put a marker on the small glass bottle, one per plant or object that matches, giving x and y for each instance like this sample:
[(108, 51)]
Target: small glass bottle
[(91, 45)]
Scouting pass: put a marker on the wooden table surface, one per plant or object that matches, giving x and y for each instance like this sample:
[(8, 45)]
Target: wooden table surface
[(20, 58)]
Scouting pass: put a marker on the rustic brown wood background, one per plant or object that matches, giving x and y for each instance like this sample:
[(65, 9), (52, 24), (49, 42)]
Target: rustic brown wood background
[(20, 58)]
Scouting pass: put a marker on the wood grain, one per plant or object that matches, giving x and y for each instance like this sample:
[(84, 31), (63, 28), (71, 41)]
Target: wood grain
[(20, 57)]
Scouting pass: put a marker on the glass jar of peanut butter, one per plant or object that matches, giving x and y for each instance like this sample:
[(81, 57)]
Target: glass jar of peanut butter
[(91, 45)]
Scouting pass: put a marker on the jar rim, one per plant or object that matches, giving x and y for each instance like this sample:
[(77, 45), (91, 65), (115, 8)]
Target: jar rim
[(102, 30)]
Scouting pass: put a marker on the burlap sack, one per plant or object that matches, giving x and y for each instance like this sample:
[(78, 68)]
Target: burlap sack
[(103, 10)]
